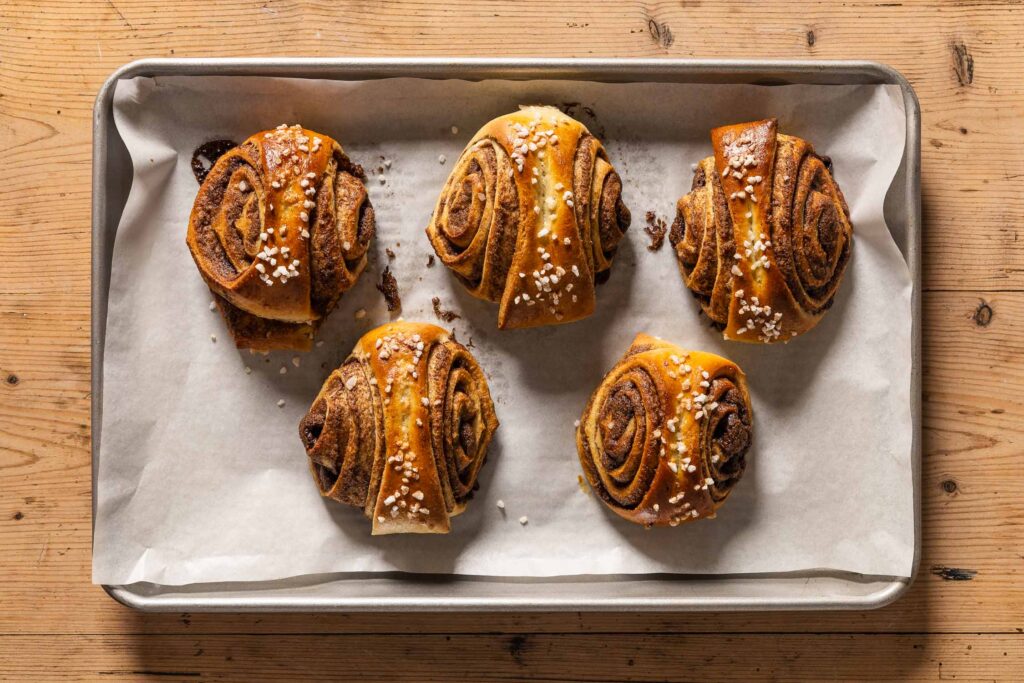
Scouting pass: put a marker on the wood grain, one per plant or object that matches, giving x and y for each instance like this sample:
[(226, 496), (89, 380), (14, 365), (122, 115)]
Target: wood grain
[(964, 59), (548, 657)]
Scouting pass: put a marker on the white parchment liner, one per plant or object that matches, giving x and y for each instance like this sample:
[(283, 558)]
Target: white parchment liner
[(202, 476)]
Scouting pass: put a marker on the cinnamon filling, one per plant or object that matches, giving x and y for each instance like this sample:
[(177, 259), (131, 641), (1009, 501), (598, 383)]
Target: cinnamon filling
[(618, 425), (729, 434), (341, 229), (312, 425), (463, 419), (467, 433), (613, 218), (624, 457), (815, 257), (324, 459), (466, 205)]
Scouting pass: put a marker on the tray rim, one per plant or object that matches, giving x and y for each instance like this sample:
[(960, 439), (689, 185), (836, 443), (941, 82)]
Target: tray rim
[(767, 71)]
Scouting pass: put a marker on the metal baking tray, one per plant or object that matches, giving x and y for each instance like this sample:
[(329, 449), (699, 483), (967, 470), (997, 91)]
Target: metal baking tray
[(112, 174)]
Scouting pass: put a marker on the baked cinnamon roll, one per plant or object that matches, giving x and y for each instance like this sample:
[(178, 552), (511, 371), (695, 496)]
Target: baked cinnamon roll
[(764, 236), (531, 217), (401, 429), (279, 230), (664, 437)]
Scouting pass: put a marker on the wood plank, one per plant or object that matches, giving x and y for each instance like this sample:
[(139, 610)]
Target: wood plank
[(423, 658)]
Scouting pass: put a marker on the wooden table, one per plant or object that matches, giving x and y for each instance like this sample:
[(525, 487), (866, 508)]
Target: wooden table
[(962, 619)]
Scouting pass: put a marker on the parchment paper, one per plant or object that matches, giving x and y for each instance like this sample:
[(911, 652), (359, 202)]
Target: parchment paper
[(202, 476)]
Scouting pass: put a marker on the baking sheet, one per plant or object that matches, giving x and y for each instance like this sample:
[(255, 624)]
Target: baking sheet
[(188, 492)]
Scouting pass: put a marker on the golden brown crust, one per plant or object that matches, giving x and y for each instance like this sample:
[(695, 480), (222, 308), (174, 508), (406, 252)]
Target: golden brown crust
[(401, 429), (764, 236), (530, 217), (279, 230), (664, 437)]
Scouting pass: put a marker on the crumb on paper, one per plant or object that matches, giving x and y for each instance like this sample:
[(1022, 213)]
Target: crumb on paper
[(320, 343), (582, 483), (441, 158), (656, 229), (283, 370), (248, 370), (206, 155), (359, 315), (213, 305), (524, 520), (446, 316), (280, 403), (213, 338), (500, 504), (430, 261), (296, 361), (455, 130), (389, 288), (390, 252)]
